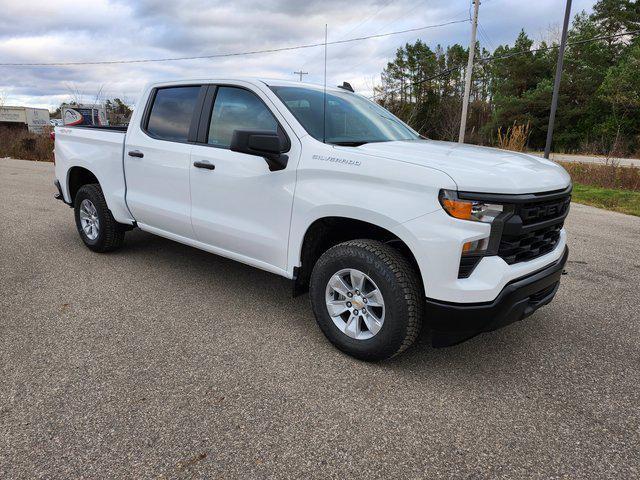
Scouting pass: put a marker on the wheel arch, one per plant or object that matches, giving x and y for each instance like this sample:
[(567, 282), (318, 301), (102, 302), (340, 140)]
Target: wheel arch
[(327, 231), (78, 176)]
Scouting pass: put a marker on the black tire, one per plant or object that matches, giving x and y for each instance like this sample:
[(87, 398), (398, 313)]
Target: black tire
[(399, 284), (110, 233)]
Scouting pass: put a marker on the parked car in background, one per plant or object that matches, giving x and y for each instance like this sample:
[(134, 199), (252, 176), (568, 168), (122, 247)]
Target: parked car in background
[(387, 230)]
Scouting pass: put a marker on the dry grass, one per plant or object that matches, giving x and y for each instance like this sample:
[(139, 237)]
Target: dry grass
[(515, 138), (25, 145), (611, 175)]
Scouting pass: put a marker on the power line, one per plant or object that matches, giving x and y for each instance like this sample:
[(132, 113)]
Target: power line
[(485, 36), (569, 44), (386, 51), (373, 15), (354, 29), (233, 54)]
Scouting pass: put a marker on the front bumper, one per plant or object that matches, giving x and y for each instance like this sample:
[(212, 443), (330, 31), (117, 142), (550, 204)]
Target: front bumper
[(453, 323)]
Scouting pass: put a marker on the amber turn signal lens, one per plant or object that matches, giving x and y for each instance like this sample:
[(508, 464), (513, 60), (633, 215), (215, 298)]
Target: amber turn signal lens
[(457, 208)]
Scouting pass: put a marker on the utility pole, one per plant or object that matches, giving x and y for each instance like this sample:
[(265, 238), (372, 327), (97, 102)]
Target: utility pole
[(467, 81), (301, 73), (556, 84)]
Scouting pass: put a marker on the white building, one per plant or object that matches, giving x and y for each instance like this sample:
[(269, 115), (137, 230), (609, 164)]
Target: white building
[(34, 119)]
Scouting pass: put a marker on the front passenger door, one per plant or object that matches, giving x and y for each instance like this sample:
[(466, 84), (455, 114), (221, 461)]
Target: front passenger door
[(238, 205)]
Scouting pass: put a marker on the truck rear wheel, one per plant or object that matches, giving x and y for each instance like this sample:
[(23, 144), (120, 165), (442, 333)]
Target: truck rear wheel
[(97, 227), (367, 299)]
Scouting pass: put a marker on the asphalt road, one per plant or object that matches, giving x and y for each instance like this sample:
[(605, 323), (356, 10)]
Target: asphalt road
[(161, 361), (566, 157)]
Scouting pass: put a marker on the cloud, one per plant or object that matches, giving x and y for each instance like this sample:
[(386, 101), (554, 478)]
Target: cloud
[(72, 30)]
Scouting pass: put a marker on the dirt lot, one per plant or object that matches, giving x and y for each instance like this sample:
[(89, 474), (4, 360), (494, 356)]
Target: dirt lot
[(164, 361)]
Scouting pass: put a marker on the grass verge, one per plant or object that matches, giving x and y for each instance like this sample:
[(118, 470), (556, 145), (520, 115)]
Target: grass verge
[(623, 201), (610, 175)]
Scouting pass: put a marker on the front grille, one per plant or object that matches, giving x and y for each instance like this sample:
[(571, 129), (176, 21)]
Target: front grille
[(520, 248), (535, 212), (534, 229)]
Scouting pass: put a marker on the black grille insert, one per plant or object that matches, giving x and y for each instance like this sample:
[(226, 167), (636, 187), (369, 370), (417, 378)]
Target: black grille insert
[(467, 265), (534, 229)]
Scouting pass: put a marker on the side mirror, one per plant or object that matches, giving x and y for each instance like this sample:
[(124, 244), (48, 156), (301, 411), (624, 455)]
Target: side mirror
[(260, 143)]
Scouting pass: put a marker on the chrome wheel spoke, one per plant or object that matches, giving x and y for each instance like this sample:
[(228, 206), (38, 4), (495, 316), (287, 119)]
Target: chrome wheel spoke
[(373, 324), (337, 307), (352, 328), (374, 298), (357, 279), (339, 285)]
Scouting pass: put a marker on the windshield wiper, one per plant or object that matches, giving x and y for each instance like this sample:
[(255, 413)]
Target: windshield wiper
[(350, 144)]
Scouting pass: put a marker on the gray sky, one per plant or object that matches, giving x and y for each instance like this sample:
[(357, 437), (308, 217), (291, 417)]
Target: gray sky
[(72, 30)]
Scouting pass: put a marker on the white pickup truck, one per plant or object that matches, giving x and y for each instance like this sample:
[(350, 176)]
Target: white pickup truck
[(387, 230)]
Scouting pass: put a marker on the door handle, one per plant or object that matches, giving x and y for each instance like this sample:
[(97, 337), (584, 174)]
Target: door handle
[(136, 153), (207, 165)]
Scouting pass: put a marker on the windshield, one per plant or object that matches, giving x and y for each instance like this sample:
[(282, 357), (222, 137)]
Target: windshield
[(350, 119)]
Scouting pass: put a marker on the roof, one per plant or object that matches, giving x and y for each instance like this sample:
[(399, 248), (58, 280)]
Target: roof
[(272, 82), (16, 107)]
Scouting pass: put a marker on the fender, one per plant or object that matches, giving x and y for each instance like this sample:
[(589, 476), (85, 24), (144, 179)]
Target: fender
[(99, 152), (298, 233)]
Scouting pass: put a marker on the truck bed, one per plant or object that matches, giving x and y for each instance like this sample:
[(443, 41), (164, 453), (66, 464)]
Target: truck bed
[(100, 151), (111, 128)]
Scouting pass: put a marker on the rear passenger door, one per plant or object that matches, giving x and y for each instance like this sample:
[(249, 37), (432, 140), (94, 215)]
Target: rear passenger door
[(157, 160), (239, 206)]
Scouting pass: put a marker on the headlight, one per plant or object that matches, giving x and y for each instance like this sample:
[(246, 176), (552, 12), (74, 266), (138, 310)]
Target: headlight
[(468, 209)]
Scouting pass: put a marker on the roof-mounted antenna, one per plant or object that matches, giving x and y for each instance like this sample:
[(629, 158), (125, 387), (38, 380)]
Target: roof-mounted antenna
[(324, 92), (346, 86)]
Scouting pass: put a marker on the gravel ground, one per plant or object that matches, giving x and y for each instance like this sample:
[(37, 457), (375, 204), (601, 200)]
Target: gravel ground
[(161, 361)]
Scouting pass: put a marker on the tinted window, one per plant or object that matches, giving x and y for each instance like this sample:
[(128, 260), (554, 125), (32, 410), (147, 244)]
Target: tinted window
[(171, 113), (350, 118), (237, 109)]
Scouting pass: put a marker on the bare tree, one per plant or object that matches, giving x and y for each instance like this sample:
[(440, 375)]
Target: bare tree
[(76, 96), (552, 34), (99, 97)]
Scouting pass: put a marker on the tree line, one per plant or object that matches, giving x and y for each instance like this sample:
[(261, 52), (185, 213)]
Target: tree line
[(599, 102)]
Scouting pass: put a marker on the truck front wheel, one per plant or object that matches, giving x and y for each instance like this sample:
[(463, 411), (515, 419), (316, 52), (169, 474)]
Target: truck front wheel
[(97, 227), (367, 299)]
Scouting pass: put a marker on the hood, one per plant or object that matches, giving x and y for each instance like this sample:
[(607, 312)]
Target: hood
[(477, 169)]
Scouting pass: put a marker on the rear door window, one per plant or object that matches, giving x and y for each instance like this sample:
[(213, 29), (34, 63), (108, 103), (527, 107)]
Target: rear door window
[(171, 113)]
